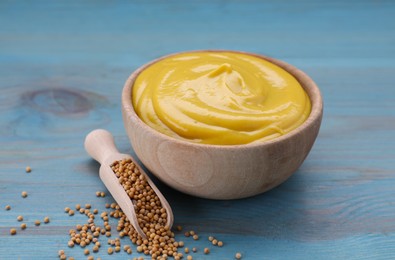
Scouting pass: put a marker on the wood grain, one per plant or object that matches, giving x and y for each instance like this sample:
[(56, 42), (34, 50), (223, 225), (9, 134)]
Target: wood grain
[(339, 204)]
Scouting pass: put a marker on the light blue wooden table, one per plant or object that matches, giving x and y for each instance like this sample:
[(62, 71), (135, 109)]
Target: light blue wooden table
[(63, 65)]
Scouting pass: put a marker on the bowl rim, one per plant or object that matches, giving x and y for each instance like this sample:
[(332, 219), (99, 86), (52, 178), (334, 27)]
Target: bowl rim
[(306, 82)]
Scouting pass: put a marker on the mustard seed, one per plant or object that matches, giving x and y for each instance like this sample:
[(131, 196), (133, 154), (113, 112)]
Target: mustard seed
[(179, 228), (206, 250), (63, 257), (60, 252), (110, 251), (181, 243), (97, 193), (214, 242), (117, 249), (20, 218), (28, 169), (220, 243), (71, 212), (187, 234), (90, 258), (86, 252), (8, 207), (195, 237), (23, 226), (12, 231), (77, 207), (210, 238), (107, 205), (102, 194), (70, 243), (186, 250), (24, 194), (87, 206), (37, 222), (46, 220), (189, 257), (194, 249), (238, 255), (66, 209)]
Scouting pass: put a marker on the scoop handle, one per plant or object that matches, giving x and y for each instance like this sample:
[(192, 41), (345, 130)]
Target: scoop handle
[(100, 145)]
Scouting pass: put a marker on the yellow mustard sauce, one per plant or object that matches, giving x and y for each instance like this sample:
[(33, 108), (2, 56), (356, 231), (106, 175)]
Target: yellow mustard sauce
[(222, 98)]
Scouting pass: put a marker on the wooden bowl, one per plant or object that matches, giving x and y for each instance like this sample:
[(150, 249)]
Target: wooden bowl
[(220, 171)]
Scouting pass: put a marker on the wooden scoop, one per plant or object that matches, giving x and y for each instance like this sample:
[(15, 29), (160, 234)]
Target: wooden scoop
[(100, 145)]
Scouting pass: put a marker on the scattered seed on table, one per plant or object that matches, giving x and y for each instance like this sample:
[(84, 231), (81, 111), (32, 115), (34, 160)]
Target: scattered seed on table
[(12, 231), (210, 238), (186, 250), (66, 209), (238, 256), (110, 251), (28, 169), (8, 207), (220, 243), (117, 249), (214, 242), (24, 194), (70, 243), (61, 252), (95, 249), (195, 237), (194, 249), (90, 258), (46, 220), (20, 218), (97, 193), (102, 194), (189, 257), (71, 212), (63, 257), (88, 206), (37, 222), (86, 252), (181, 243), (23, 226), (206, 250), (187, 234), (77, 207)]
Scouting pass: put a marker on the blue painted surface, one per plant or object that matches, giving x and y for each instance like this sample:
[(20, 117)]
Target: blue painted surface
[(62, 68)]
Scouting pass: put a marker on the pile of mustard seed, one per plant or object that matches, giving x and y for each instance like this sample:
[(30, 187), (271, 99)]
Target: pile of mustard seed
[(160, 241), (151, 215)]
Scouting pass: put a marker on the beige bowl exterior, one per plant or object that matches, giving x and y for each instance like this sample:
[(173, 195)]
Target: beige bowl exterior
[(218, 171)]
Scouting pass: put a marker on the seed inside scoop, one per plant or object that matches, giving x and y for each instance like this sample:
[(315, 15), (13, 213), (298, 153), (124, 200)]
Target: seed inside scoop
[(151, 215)]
